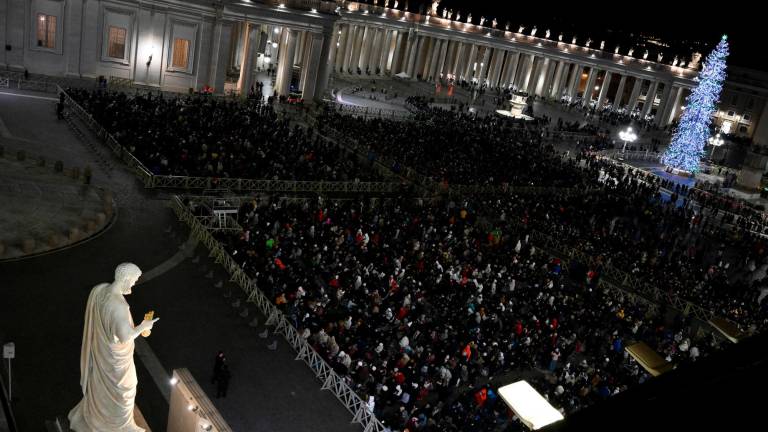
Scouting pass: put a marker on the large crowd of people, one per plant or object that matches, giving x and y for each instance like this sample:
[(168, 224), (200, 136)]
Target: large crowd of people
[(211, 137), (456, 147), (422, 305)]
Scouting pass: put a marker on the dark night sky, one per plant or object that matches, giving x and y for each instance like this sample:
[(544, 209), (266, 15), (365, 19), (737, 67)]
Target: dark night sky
[(668, 20)]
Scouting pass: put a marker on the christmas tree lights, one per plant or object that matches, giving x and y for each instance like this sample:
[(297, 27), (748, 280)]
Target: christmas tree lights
[(687, 146)]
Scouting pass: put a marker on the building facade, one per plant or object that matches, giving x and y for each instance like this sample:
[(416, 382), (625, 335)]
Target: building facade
[(181, 45)]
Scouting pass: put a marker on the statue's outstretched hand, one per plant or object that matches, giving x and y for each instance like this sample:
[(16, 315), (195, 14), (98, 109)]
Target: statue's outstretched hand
[(147, 324)]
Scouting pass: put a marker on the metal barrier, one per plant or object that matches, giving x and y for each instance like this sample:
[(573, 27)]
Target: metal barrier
[(121, 152), (322, 370), (240, 184), (371, 112), (4, 82)]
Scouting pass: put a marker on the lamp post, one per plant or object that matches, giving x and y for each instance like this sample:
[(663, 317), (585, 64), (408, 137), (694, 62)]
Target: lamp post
[(627, 135), (715, 141)]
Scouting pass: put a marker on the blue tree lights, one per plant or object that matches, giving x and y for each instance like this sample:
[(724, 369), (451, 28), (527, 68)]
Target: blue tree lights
[(687, 146)]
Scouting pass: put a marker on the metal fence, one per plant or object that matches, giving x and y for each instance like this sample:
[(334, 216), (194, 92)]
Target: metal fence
[(371, 112), (322, 370)]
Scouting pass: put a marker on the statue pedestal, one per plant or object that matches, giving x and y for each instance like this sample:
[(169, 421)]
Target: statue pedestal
[(61, 424)]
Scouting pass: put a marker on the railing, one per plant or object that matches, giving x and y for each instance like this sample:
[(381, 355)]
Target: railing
[(4, 82), (633, 155), (121, 152), (322, 370), (371, 112), (240, 184)]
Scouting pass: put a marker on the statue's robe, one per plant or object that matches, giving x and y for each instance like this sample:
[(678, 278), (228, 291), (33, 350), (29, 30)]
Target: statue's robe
[(107, 371)]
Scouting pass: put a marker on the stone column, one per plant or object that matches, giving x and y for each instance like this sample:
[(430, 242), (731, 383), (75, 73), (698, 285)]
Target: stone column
[(484, 66), (666, 95), (635, 95), (340, 50), (525, 72), (604, 89), (285, 63), (619, 92), (384, 51), (436, 49), (589, 89), (496, 63), (470, 62), (513, 58), (213, 64), (650, 97), (310, 69), (543, 78), (251, 48), (457, 57), (575, 79), (365, 55), (327, 60), (442, 60), (397, 56), (357, 49), (531, 72), (415, 47), (677, 98), (555, 92), (350, 47), (548, 79)]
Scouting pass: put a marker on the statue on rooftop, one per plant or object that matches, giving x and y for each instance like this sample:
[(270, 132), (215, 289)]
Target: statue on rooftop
[(107, 371)]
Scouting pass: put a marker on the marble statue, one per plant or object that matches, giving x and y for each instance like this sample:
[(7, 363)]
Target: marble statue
[(616, 51), (433, 9), (506, 27), (520, 30), (675, 61), (630, 52), (573, 41), (494, 23), (534, 30), (546, 34), (458, 16), (560, 37), (602, 45), (659, 57), (482, 21), (589, 42), (445, 13), (469, 19), (395, 7), (645, 56), (107, 371)]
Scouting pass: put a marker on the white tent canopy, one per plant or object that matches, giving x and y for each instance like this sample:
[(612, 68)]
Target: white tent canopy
[(402, 75), (534, 411)]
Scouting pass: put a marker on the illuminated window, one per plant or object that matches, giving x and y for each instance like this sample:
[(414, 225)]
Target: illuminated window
[(46, 31), (731, 113), (180, 53), (116, 42)]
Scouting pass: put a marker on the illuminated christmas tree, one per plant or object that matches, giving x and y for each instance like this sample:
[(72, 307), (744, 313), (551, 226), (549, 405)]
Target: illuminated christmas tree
[(687, 146)]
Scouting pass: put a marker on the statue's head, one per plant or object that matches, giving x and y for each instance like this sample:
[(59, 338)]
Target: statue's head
[(126, 275)]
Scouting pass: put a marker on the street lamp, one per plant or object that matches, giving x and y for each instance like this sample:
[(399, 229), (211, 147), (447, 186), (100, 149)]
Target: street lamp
[(627, 135), (715, 141)]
